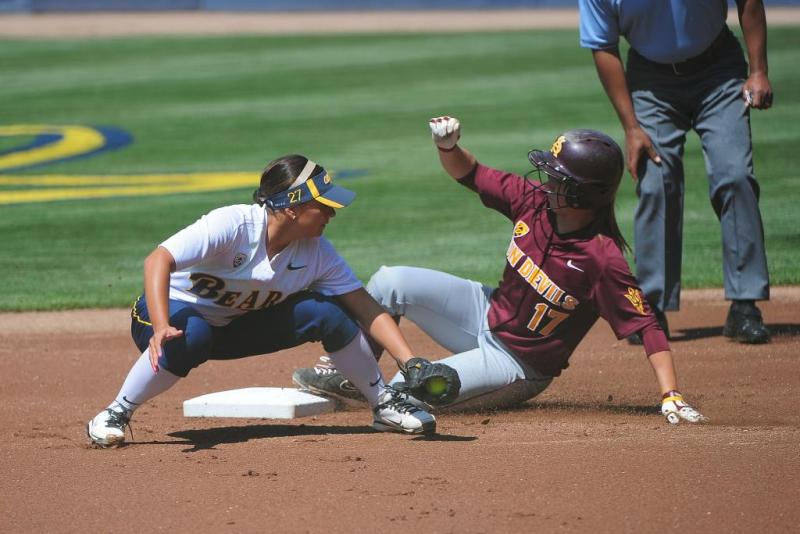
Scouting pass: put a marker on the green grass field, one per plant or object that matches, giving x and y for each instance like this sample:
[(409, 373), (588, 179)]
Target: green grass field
[(350, 103)]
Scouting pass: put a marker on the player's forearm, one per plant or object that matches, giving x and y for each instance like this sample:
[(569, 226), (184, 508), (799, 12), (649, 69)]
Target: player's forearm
[(157, 268), (664, 369), (457, 162), (386, 332), (376, 322), (612, 76), (753, 21)]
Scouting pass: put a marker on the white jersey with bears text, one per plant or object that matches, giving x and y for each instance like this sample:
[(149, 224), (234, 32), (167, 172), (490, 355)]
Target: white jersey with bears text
[(222, 265)]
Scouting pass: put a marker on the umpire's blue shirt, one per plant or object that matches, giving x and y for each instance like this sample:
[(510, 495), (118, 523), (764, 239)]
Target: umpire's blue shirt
[(665, 31)]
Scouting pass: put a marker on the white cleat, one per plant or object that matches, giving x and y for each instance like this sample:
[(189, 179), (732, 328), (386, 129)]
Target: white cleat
[(394, 413), (107, 429)]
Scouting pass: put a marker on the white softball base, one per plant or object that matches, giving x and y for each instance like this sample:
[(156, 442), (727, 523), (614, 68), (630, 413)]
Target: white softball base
[(264, 403)]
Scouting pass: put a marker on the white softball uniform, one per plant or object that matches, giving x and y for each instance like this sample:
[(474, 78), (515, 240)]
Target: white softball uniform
[(223, 269), (453, 312)]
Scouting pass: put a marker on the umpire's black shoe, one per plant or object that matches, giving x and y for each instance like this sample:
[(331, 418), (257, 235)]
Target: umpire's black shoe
[(744, 323), (661, 317)]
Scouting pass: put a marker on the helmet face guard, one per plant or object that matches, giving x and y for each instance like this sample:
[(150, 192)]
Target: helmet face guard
[(587, 166), (559, 185)]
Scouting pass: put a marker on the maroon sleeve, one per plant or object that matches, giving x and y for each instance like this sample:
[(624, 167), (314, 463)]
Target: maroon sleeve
[(654, 339), (468, 180), (617, 296), (499, 190)]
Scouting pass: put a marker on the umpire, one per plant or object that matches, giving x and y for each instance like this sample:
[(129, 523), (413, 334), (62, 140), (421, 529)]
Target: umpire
[(686, 70)]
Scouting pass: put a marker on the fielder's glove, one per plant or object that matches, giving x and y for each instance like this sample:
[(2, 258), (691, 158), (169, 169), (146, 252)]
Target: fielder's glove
[(433, 383), (674, 408), (446, 131)]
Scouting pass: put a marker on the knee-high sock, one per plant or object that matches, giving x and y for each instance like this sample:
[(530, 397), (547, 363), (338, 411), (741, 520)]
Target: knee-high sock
[(142, 384), (356, 362)]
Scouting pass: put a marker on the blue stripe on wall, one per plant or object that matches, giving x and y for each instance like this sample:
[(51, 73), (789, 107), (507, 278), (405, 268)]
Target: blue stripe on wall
[(15, 5), (114, 5), (287, 5), (374, 5)]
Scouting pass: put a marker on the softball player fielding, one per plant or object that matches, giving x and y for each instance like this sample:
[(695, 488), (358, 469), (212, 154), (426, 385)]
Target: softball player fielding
[(564, 269), (255, 279)]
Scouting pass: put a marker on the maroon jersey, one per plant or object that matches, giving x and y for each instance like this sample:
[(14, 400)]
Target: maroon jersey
[(554, 286)]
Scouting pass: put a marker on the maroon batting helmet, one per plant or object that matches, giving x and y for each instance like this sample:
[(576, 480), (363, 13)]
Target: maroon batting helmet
[(588, 162)]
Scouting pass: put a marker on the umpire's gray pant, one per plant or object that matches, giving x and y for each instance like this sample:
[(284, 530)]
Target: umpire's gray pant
[(709, 102)]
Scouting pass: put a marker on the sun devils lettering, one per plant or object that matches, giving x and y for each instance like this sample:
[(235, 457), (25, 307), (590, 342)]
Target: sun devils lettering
[(538, 279), (635, 296)]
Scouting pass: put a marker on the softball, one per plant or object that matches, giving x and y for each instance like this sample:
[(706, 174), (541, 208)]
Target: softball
[(436, 385)]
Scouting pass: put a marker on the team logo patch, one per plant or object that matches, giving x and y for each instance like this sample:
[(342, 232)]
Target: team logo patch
[(556, 148), (238, 260), (520, 229), (635, 296), (327, 178)]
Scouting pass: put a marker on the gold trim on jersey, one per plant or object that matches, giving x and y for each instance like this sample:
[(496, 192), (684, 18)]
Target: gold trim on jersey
[(135, 314)]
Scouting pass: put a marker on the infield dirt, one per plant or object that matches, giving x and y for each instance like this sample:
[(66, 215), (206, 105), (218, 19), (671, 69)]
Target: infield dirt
[(590, 454)]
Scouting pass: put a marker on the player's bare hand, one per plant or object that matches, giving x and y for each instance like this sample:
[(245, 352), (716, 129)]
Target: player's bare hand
[(161, 336), (675, 409), (445, 131), (757, 91), (637, 143)]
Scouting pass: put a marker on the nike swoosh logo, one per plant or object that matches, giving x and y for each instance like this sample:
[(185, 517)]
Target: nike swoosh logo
[(373, 384), (573, 266), (295, 267)]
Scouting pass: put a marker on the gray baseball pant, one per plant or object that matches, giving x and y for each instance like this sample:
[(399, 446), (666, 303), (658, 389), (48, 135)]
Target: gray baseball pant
[(709, 102), (453, 312)]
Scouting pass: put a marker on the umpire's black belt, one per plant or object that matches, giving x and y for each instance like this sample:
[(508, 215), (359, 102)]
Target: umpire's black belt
[(697, 63)]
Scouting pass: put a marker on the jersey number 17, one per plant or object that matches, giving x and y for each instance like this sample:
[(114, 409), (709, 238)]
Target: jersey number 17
[(545, 319)]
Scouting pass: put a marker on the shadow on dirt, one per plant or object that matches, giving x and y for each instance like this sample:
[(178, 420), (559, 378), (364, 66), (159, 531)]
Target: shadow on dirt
[(690, 334), (568, 406), (628, 409), (209, 438), (445, 437)]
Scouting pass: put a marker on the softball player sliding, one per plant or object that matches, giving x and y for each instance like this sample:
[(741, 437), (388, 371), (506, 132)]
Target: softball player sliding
[(564, 269), (255, 279)]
